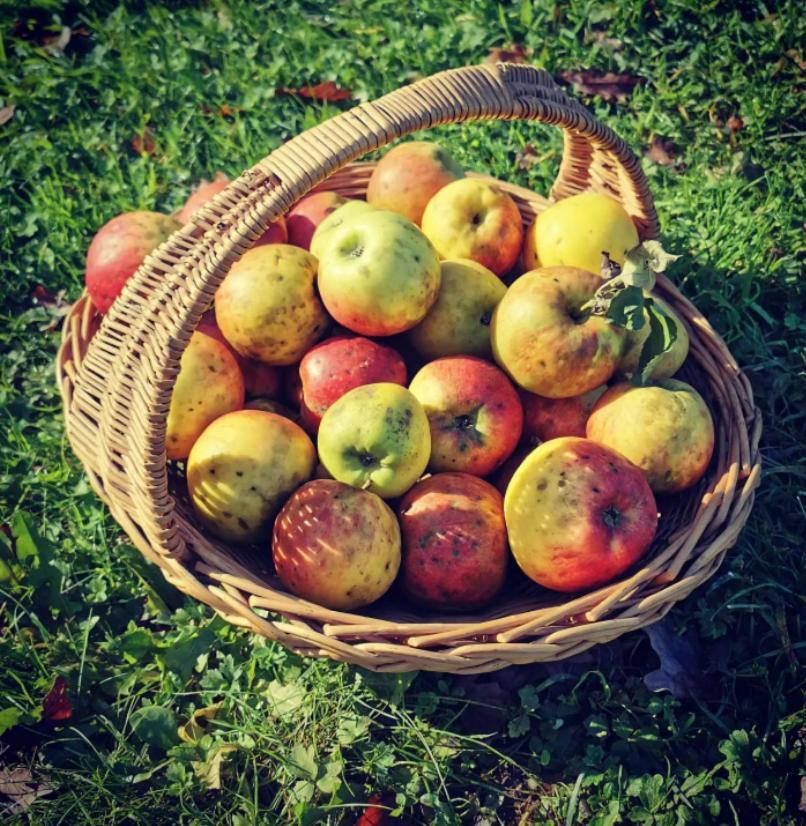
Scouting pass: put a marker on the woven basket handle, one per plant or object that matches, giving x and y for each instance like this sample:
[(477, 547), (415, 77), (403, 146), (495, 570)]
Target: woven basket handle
[(123, 390)]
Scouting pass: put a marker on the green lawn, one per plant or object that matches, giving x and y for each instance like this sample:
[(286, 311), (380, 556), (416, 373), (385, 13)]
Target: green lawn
[(295, 740)]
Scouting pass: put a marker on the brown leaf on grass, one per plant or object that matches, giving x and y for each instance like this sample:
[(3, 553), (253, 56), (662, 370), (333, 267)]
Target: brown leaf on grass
[(796, 56), (56, 705), (19, 785), (143, 142), (735, 123), (610, 86), (326, 92), (7, 113), (526, 157), (57, 43), (602, 39), (514, 53), (662, 152), (54, 303)]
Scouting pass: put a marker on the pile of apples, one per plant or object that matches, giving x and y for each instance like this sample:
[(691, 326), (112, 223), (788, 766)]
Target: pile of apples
[(411, 387)]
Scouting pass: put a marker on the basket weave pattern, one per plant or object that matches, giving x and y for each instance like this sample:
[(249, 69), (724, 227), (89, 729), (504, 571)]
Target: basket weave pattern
[(117, 376)]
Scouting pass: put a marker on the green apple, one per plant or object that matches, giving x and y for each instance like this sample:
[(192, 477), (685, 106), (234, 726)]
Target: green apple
[(459, 321), (376, 437), (324, 231), (378, 274)]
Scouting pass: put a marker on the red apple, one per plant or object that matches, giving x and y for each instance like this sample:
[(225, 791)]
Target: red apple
[(119, 248), (336, 545), (339, 364), (454, 542), (547, 419), (578, 514), (207, 190), (306, 215), (409, 175), (260, 380), (474, 413)]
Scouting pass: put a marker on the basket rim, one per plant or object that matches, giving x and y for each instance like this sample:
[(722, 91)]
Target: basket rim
[(455, 643)]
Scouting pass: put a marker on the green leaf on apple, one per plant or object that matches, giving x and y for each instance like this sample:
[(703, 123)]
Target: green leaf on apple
[(626, 308), (643, 263), (662, 335)]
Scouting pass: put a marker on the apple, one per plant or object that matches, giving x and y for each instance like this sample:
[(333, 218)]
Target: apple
[(259, 380), (543, 340), (119, 248), (546, 419), (473, 411), (276, 233), (323, 232), (409, 175), (376, 437), (459, 321), (454, 542), (378, 274), (267, 306), (242, 468), (339, 364), (576, 231), (665, 430), (208, 385), (335, 545), (306, 215), (666, 365), (476, 219), (578, 514)]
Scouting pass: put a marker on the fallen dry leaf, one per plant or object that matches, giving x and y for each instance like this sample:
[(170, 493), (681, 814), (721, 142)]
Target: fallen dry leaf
[(796, 56), (19, 786), (612, 43), (326, 92), (514, 53), (56, 705), (610, 86), (528, 157), (143, 142), (57, 43), (662, 152), (54, 303), (7, 113), (735, 123)]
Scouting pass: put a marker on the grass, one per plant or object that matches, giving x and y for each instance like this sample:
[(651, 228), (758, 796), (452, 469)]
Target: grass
[(293, 740)]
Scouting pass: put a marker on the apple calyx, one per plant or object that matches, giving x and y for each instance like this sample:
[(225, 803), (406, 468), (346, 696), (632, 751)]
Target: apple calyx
[(612, 517)]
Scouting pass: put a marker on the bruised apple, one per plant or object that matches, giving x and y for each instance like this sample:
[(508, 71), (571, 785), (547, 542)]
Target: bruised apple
[(119, 248), (378, 274), (208, 385), (339, 364), (472, 218), (454, 542), (306, 215), (267, 307), (666, 430), (473, 411), (459, 321), (545, 342), (242, 468), (335, 545), (409, 175), (376, 437), (276, 233), (578, 514)]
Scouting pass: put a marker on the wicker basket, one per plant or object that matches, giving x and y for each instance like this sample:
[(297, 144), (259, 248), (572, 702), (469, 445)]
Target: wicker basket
[(116, 379)]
